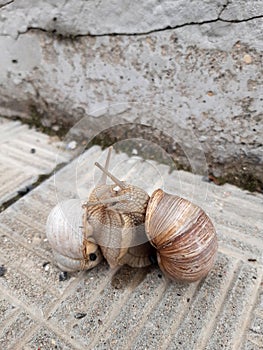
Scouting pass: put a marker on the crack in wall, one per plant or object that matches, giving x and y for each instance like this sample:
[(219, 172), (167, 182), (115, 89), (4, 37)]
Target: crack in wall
[(223, 8), (167, 28), (7, 3), (69, 35)]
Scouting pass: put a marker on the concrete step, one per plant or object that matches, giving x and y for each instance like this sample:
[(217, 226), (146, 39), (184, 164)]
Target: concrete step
[(25, 154), (131, 308)]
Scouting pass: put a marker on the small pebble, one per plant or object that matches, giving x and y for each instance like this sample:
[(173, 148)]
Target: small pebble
[(2, 270), (72, 145), (25, 190), (134, 152), (247, 58), (79, 315), (33, 150), (63, 276), (202, 138), (46, 266), (212, 178), (55, 127)]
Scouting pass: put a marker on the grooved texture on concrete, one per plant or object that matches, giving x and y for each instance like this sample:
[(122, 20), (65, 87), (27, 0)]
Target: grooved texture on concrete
[(24, 155), (131, 308)]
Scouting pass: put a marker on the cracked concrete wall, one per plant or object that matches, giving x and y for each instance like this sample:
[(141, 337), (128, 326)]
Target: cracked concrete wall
[(202, 60)]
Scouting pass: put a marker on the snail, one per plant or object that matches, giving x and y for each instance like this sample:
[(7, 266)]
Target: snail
[(123, 217), (113, 218)]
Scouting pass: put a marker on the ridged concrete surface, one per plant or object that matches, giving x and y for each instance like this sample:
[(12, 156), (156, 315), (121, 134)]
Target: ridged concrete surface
[(131, 308), (24, 155)]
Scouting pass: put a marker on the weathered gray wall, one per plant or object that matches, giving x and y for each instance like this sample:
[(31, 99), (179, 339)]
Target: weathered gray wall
[(200, 60)]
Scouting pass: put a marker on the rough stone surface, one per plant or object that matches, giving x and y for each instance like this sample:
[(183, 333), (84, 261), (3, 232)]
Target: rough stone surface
[(131, 308), (201, 60)]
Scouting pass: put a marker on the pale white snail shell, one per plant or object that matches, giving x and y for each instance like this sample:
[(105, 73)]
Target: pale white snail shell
[(73, 247)]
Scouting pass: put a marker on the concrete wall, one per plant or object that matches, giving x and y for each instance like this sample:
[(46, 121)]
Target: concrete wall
[(189, 65)]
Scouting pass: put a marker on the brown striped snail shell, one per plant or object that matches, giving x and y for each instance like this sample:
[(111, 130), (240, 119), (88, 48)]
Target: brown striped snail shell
[(117, 214), (183, 235), (70, 237)]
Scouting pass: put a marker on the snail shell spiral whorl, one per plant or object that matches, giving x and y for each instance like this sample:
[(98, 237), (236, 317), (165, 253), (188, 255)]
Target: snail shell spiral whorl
[(183, 235)]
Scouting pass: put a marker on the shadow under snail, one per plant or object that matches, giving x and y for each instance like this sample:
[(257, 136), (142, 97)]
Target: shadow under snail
[(122, 223)]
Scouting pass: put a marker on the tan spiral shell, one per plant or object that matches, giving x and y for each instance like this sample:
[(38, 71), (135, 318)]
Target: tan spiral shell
[(119, 224), (183, 235)]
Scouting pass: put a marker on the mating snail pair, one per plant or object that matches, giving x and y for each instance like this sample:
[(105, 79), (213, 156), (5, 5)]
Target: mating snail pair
[(126, 226)]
